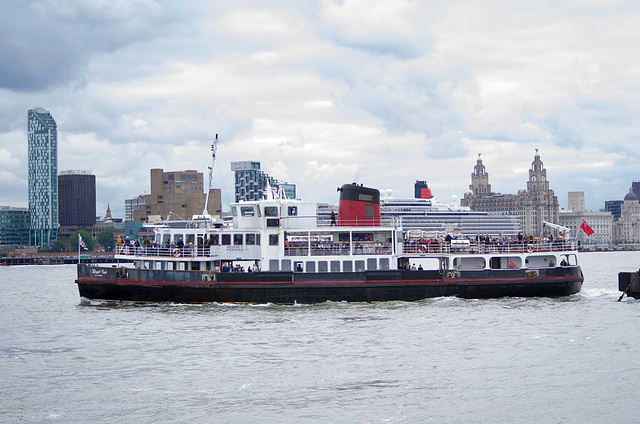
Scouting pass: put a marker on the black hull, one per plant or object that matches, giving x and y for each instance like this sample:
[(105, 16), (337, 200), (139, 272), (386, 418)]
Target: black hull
[(157, 286)]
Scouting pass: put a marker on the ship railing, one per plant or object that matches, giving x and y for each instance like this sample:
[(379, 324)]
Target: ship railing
[(471, 247), (163, 251), (358, 221), (319, 249)]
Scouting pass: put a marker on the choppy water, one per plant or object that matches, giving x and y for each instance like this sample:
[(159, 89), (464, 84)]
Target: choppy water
[(445, 360)]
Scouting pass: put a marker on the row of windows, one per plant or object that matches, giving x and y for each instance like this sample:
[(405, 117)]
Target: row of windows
[(371, 264), (268, 211)]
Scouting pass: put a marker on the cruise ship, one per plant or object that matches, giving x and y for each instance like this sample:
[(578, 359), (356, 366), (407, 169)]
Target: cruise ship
[(425, 213)]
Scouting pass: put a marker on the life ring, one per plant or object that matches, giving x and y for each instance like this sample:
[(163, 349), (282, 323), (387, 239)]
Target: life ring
[(513, 265), (176, 252), (530, 248), (422, 249)]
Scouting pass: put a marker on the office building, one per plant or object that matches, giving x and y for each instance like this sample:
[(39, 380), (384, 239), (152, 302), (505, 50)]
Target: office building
[(132, 205), (42, 138), (576, 201), (176, 195), (14, 227), (251, 182), (77, 194)]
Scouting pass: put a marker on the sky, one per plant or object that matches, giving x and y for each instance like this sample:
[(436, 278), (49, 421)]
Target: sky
[(324, 93)]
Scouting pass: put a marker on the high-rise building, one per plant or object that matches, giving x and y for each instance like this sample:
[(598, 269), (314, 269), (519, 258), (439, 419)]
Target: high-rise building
[(132, 205), (576, 201), (77, 194), (42, 137), (14, 226), (251, 182), (176, 193), (613, 206), (532, 206)]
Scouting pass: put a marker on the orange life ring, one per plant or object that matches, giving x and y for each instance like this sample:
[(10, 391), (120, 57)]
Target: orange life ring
[(422, 249), (176, 252), (530, 248)]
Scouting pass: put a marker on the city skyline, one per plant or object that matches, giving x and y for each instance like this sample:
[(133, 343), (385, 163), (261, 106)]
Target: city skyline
[(328, 93)]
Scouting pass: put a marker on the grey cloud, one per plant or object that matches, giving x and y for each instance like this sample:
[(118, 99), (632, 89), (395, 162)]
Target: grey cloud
[(46, 43)]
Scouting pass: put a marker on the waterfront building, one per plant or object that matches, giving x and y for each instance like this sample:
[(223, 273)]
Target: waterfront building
[(42, 140), (627, 228), (132, 205), (251, 182), (77, 194), (613, 206), (14, 227), (179, 194), (532, 206), (576, 201), (600, 222)]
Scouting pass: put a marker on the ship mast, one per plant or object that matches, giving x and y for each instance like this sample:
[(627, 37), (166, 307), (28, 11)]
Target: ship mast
[(214, 148)]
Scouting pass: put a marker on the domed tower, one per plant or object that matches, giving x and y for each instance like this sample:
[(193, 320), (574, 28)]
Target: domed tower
[(631, 196), (480, 180)]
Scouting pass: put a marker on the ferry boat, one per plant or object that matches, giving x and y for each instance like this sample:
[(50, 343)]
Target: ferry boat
[(277, 250)]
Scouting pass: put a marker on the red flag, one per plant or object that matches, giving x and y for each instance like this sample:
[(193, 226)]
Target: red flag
[(585, 227)]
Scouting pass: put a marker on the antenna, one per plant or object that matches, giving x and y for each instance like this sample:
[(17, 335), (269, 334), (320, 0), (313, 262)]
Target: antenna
[(214, 148)]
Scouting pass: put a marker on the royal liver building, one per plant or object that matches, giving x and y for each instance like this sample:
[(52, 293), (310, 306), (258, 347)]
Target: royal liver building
[(532, 206)]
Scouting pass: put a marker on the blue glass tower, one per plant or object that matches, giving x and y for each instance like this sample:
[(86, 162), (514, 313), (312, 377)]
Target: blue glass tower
[(42, 133)]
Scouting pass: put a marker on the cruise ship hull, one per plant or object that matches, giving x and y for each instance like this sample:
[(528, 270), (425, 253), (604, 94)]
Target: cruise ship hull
[(140, 285)]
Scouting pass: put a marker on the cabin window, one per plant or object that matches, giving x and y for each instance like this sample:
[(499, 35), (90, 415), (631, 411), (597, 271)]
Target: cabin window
[(343, 237), (311, 266), (234, 211), (270, 211), (384, 263), (257, 239), (286, 265), (293, 210), (214, 240), (347, 266), (273, 222), (190, 238), (372, 264), (322, 266), (359, 266), (273, 239), (226, 239), (247, 210), (237, 239), (335, 266), (297, 266), (251, 239), (362, 236), (273, 265)]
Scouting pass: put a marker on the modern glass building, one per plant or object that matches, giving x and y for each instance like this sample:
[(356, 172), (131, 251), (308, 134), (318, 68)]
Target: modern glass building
[(42, 135), (251, 182), (14, 226)]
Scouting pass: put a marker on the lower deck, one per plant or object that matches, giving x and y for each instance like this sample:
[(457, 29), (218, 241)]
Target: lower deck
[(142, 285)]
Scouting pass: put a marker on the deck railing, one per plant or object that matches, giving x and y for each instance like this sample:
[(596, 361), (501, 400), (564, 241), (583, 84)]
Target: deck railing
[(471, 247), (363, 248)]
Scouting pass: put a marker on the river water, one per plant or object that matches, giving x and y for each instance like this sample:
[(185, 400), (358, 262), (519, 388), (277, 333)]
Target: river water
[(568, 360)]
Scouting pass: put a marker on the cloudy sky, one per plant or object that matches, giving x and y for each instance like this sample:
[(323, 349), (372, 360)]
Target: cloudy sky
[(327, 92)]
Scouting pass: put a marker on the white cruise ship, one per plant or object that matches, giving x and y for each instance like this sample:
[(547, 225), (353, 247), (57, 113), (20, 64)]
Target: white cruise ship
[(425, 213)]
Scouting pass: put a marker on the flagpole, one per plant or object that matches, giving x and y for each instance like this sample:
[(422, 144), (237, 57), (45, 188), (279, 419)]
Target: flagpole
[(78, 248)]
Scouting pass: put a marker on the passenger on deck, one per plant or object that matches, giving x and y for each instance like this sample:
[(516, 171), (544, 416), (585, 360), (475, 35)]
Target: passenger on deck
[(563, 262)]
